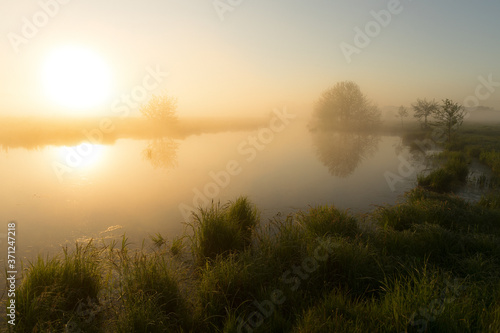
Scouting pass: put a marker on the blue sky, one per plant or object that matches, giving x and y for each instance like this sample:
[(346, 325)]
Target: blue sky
[(264, 54)]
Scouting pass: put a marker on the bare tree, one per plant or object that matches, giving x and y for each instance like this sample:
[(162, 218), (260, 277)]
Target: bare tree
[(449, 116), (344, 105), (161, 108), (402, 113), (423, 109)]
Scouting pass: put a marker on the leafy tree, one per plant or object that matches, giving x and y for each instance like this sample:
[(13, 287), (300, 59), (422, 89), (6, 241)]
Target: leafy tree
[(161, 108), (344, 105), (423, 109), (402, 113), (449, 116)]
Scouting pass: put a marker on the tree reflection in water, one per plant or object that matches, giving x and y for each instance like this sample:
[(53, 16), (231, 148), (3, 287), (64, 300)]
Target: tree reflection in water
[(343, 152), (161, 153)]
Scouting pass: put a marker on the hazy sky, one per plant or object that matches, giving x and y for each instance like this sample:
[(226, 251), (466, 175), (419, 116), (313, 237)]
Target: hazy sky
[(255, 55)]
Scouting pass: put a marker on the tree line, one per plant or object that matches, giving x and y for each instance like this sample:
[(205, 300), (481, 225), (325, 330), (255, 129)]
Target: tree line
[(344, 106)]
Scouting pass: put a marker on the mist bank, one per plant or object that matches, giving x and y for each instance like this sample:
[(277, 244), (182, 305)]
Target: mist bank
[(36, 133)]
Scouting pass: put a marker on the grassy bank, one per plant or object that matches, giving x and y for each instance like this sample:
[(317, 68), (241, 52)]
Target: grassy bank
[(452, 172), (473, 142), (432, 264)]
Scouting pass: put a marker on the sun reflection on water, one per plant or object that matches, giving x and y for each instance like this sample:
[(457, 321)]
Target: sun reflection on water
[(83, 157)]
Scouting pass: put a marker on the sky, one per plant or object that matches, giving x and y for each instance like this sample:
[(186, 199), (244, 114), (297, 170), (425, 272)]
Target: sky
[(243, 57)]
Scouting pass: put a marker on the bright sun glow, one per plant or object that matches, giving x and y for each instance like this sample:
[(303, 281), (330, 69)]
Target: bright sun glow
[(75, 77)]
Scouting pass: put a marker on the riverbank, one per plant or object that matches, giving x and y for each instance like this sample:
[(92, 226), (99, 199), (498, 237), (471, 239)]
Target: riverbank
[(433, 262)]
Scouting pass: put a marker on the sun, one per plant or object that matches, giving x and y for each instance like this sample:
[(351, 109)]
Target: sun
[(76, 77)]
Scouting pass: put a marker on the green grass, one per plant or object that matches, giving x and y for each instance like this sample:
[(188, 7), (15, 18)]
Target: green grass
[(242, 213), (177, 245), (491, 159), (402, 299), (327, 220), (151, 295), (439, 180), (445, 210), (473, 141), (222, 229), (450, 175), (490, 200), (484, 137), (432, 263), (228, 285), (53, 288), (481, 142)]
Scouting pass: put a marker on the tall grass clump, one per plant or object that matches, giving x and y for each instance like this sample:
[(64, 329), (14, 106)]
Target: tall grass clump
[(352, 265), (151, 294), (52, 289), (283, 242), (328, 220), (399, 217), (222, 229), (214, 234), (242, 213), (230, 284)]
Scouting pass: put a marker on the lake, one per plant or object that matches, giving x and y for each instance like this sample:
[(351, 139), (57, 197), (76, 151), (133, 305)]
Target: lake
[(58, 195)]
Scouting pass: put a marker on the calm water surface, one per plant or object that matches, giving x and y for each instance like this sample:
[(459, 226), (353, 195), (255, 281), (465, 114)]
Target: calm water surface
[(140, 187)]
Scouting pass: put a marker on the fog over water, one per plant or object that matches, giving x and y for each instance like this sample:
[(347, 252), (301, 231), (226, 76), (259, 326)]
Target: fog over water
[(140, 186)]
